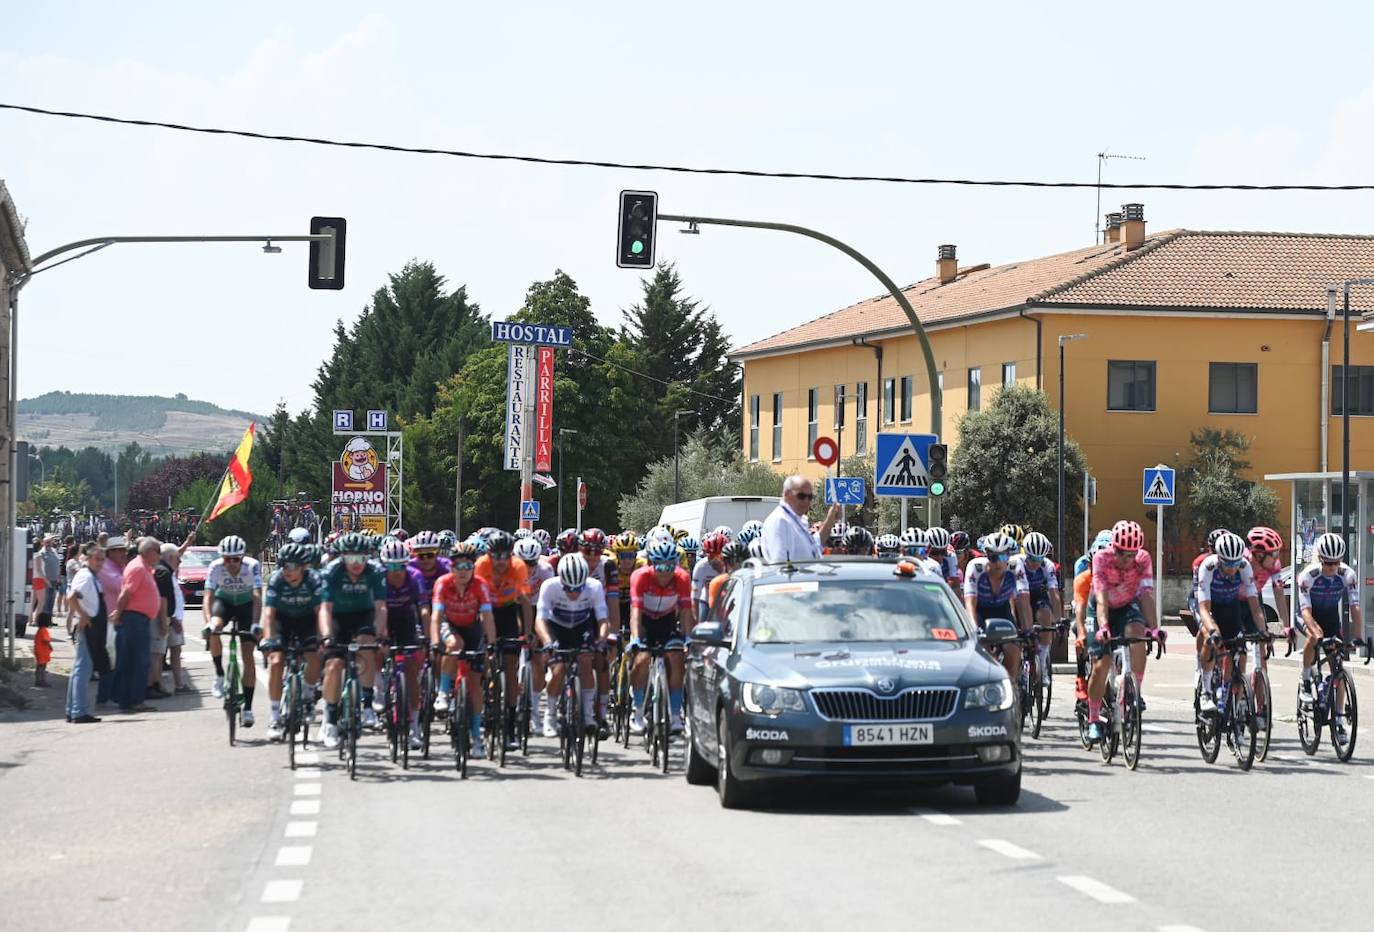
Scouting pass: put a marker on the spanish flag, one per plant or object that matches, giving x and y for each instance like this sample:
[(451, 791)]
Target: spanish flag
[(238, 478)]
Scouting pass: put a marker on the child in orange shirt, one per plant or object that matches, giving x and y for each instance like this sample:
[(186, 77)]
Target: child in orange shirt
[(42, 653)]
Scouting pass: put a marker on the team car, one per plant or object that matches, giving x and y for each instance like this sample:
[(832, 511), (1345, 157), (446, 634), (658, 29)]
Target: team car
[(848, 669)]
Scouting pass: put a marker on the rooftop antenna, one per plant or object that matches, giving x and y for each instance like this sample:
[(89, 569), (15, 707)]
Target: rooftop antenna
[(1097, 214)]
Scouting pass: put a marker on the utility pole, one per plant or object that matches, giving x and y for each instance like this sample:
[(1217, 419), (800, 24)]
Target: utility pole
[(1059, 539), (458, 483), (561, 432), (677, 449)]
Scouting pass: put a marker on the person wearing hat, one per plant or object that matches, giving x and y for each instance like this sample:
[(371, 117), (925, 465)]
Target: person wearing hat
[(360, 460), (111, 579)]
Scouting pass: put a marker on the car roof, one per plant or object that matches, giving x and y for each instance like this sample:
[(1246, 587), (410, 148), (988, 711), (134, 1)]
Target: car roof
[(833, 567)]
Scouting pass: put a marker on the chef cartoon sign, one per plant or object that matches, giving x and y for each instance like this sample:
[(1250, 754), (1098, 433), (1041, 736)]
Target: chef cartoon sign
[(360, 484)]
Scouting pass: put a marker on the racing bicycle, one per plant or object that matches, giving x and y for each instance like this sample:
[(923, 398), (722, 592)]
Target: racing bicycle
[(1121, 703), (1234, 715), (294, 702), (1329, 696), (658, 720)]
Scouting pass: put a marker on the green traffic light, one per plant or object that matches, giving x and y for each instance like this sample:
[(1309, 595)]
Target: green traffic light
[(937, 488), (637, 247)]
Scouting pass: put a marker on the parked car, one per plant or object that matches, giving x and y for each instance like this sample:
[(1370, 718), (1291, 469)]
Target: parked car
[(195, 566), (698, 516)]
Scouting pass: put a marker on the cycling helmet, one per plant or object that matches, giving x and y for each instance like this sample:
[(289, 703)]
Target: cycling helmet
[(293, 553), (958, 540), (735, 552), (1037, 545), (912, 539), (544, 538), (447, 541), (424, 541), (567, 540), (858, 540), (480, 543), (593, 540), (662, 551), (394, 551), (1229, 547), (625, 544), (1265, 538), (756, 548), (1127, 535), (572, 571), (232, 546), (528, 549), (838, 530), (656, 532), (728, 531), (298, 535), (353, 543), (522, 533), (752, 527), (500, 544), (1015, 531), (888, 544), (678, 533), (1212, 536), (998, 543), (689, 544), (937, 538), (1102, 541), (465, 550), (400, 533), (714, 544), (1330, 548)]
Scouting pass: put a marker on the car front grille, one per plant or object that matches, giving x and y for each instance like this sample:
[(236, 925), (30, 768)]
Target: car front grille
[(864, 705), (878, 759)]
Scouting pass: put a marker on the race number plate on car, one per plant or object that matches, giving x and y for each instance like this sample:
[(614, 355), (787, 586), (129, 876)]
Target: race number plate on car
[(864, 735)]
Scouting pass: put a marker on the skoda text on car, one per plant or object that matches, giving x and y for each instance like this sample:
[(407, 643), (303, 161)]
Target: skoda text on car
[(849, 669)]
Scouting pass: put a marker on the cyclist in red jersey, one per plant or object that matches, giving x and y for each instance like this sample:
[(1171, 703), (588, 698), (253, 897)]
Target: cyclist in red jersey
[(660, 615), (460, 600)]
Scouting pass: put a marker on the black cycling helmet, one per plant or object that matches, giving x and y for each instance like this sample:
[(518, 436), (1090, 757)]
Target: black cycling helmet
[(355, 543), (500, 544), (859, 540), (735, 553), (299, 554)]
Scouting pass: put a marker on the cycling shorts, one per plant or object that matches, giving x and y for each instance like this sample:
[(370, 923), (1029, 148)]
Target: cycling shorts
[(656, 632), (239, 613), (348, 626), (403, 627), (1040, 598), (581, 635), (508, 620), (1228, 616), (1117, 621), (995, 610), (468, 637), (294, 628), (1329, 619)]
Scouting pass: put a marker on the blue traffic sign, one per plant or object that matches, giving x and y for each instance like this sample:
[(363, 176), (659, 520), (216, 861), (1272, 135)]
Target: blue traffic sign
[(901, 465), (376, 420), (529, 511), (844, 490), (503, 331), (343, 421), (1157, 485)]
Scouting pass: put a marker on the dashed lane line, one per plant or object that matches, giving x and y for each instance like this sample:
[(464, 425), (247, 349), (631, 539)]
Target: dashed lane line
[(1095, 889), (269, 924), (305, 807), (1009, 850), (294, 855), (282, 891), (936, 818), (301, 829), (308, 789)]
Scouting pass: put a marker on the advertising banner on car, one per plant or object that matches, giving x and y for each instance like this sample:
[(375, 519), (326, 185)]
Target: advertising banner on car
[(543, 411), (359, 488), (518, 386)]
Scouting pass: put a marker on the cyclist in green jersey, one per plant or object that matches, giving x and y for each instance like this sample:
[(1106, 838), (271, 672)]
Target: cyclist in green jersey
[(233, 594), (290, 612), (354, 608)]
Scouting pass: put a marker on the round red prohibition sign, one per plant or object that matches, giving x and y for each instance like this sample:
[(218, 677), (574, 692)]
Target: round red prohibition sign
[(825, 451)]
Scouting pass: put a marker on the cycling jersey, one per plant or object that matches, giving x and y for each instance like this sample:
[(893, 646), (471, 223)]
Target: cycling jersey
[(1122, 586), (1262, 575), (348, 594), (656, 599), (978, 582), (539, 572), (409, 594), (1322, 593), (713, 593), (949, 569), (1041, 578), (559, 607), (603, 569), (510, 585), (460, 607), (442, 565), (702, 574), (233, 588), (1219, 588), (289, 601)]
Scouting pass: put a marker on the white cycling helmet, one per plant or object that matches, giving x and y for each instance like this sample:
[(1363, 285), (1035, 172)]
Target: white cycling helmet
[(232, 546), (1330, 547), (395, 551), (756, 548), (727, 530), (1037, 545), (998, 543), (528, 549), (937, 538), (572, 570), (889, 543), (522, 533), (298, 535)]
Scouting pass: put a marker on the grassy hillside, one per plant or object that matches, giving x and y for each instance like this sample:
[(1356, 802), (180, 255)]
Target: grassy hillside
[(160, 425)]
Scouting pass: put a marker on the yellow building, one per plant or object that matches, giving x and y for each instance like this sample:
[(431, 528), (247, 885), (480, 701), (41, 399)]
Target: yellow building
[(1181, 329)]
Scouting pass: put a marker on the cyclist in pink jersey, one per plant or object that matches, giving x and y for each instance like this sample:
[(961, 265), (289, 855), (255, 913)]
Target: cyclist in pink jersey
[(1123, 589)]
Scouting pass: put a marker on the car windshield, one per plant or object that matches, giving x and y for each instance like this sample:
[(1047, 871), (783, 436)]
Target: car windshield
[(199, 557), (854, 610)]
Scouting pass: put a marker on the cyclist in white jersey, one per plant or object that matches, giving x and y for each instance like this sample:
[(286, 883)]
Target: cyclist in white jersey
[(233, 593)]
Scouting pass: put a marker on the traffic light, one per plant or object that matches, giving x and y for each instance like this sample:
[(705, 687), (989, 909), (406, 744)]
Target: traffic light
[(327, 256), (635, 234), (938, 467)]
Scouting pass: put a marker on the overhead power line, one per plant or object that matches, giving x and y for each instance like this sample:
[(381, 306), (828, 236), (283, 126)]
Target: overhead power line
[(681, 169), (645, 375)]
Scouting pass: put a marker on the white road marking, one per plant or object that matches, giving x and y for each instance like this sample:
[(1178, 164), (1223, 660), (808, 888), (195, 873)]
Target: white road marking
[(293, 855), (305, 807), (1007, 849), (307, 789), (269, 924), (1179, 929), (307, 757), (301, 829), (307, 773), (1369, 776), (282, 891), (936, 818), (1159, 729), (1095, 889)]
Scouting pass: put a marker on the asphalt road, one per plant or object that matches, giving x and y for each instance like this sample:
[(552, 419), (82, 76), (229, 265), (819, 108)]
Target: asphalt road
[(152, 822)]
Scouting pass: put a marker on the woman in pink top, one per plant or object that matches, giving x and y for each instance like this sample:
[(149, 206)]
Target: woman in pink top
[(1124, 588)]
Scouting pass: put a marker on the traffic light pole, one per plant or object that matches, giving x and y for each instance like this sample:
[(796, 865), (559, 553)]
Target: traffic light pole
[(891, 286)]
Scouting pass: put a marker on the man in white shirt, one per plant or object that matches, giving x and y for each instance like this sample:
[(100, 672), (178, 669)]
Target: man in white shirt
[(786, 535), (86, 603)]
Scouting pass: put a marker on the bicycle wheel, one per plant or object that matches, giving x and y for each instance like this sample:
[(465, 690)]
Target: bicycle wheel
[(1037, 700), (389, 717), (664, 728), (1346, 709), (403, 718), (1309, 724), (1242, 735), (1046, 685), (523, 692), (1208, 728), (427, 697), (231, 701), (494, 716), (1107, 746), (578, 737), (462, 733), (1130, 723), (349, 708), (288, 704), (1264, 717), (1080, 713)]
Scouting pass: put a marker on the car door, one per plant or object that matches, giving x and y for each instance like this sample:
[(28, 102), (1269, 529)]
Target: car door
[(706, 670)]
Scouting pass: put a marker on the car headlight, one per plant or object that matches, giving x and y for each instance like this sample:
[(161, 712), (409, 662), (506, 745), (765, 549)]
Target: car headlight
[(995, 697), (771, 700)]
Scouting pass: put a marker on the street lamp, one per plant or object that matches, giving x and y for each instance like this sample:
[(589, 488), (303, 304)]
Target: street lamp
[(1345, 415), (561, 432), (1059, 540), (677, 475), (42, 470)]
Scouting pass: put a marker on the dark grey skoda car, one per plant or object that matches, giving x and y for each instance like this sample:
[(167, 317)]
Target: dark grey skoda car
[(848, 669)]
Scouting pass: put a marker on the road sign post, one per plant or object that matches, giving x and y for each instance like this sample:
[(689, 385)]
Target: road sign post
[(1157, 489), (581, 501)]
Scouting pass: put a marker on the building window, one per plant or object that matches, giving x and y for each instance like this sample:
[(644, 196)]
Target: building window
[(839, 407), (1008, 374), (813, 412), (1361, 390), (777, 426), (906, 398), (754, 428), (975, 388), (861, 418), (1233, 388), (1130, 385), (889, 400)]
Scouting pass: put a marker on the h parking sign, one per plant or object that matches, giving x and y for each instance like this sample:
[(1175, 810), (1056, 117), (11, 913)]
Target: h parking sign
[(376, 420)]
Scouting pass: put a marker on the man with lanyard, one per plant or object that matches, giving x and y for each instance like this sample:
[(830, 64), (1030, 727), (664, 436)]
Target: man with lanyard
[(233, 593), (427, 561), (460, 600), (995, 588), (291, 612), (1123, 591), (354, 609), (707, 570), (407, 616), (571, 616), (660, 614), (786, 535), (1224, 579), (1322, 587), (507, 578)]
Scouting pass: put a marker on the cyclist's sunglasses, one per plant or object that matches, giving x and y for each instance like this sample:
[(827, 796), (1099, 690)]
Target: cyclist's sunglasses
[(292, 566), (1233, 564), (233, 559), (395, 567), (427, 554), (1331, 563), (463, 565), (1122, 552), (572, 590), (997, 557), (664, 567), (354, 559)]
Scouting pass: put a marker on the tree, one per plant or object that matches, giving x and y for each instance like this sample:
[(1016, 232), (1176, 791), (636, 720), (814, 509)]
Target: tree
[(154, 491), (55, 495), (1214, 494), (704, 471), (1006, 468)]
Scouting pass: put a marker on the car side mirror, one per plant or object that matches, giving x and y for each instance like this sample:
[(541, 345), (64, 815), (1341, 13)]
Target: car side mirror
[(998, 631), (710, 634)]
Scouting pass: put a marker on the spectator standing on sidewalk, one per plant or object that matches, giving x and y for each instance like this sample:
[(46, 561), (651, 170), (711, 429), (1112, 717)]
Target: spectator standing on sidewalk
[(72, 567), (174, 604), (111, 578), (86, 603), (47, 563), (135, 613), (42, 653)]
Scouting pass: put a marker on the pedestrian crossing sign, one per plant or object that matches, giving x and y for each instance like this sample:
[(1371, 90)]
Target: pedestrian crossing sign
[(901, 465), (1157, 486), (529, 510)]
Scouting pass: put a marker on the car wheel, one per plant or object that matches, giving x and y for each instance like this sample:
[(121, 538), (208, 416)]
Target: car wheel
[(999, 791), (732, 793), (699, 771)]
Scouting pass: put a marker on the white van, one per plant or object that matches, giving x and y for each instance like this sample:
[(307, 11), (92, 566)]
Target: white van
[(701, 514)]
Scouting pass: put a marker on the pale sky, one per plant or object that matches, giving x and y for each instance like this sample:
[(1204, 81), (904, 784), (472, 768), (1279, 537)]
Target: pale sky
[(1253, 92)]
